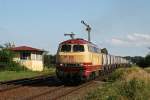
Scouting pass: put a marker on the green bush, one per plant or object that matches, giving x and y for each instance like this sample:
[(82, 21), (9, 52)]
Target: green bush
[(7, 63), (117, 74), (49, 61), (106, 92), (13, 66), (122, 90), (126, 84), (16, 67), (131, 89)]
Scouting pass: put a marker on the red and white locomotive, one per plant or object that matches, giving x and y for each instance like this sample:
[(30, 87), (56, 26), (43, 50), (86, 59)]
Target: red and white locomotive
[(78, 60)]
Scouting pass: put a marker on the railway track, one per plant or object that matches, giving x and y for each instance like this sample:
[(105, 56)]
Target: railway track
[(27, 88), (13, 84), (72, 90), (39, 88), (82, 86), (47, 89), (49, 92), (60, 92)]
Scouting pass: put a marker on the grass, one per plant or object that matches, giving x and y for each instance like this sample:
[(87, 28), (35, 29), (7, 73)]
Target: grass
[(11, 75), (124, 84), (147, 69)]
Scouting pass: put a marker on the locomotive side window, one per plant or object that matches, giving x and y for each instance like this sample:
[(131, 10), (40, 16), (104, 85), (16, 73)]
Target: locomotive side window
[(78, 48), (93, 49), (66, 48)]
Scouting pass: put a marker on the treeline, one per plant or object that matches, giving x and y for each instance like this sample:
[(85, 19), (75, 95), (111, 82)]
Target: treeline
[(49, 60), (140, 61), (7, 63)]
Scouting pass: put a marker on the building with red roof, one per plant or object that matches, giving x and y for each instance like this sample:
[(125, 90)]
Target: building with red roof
[(31, 58)]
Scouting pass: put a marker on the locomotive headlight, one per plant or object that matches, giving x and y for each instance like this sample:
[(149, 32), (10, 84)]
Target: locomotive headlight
[(61, 64), (81, 64)]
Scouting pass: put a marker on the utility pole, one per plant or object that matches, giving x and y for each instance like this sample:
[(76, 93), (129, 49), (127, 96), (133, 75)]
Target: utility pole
[(88, 29), (71, 35), (149, 49)]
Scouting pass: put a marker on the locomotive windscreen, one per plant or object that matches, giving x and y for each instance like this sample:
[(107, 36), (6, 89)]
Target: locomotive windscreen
[(66, 48), (78, 48), (73, 48)]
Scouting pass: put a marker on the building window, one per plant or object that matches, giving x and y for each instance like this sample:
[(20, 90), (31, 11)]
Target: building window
[(25, 56), (36, 56)]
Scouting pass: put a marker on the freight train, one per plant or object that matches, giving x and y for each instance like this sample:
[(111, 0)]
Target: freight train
[(81, 60)]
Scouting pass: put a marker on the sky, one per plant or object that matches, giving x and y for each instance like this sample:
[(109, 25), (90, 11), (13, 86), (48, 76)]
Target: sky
[(121, 26)]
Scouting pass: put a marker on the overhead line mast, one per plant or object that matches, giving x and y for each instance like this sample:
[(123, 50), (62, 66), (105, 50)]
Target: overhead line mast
[(88, 29)]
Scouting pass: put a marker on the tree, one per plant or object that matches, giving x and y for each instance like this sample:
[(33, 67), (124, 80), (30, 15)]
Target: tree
[(147, 60), (9, 45), (6, 59), (6, 55), (49, 60), (104, 50)]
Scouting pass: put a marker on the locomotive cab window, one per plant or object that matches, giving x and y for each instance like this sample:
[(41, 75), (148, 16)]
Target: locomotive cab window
[(93, 49), (66, 48), (78, 48)]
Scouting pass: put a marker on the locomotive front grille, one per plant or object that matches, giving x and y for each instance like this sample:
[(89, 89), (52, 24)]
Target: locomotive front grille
[(71, 65)]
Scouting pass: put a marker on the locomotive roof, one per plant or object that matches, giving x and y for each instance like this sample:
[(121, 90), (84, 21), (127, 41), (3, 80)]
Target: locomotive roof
[(77, 41)]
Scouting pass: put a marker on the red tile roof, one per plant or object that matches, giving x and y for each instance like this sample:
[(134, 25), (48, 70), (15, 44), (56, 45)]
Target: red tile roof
[(26, 48)]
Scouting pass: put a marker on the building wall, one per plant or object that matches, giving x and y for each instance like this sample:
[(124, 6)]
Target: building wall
[(34, 64), (37, 65)]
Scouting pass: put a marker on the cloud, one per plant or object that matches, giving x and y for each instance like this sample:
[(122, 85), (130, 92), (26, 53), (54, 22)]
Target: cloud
[(117, 41), (134, 39)]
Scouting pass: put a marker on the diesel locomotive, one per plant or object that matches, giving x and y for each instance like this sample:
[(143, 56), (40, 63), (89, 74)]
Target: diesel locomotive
[(81, 60)]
